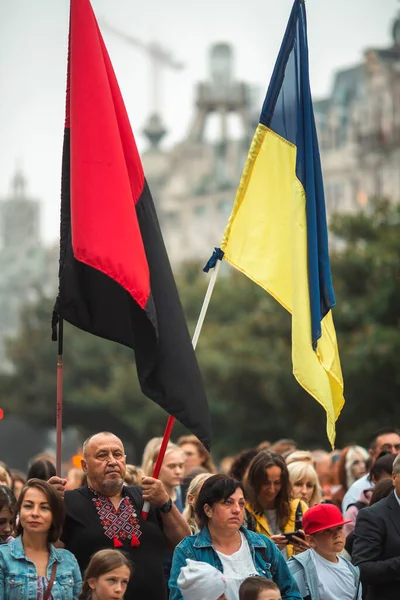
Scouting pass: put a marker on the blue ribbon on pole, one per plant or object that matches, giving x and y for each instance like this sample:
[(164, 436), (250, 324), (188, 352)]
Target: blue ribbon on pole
[(218, 254)]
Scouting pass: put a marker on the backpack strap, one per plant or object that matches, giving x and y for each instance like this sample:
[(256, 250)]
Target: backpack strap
[(359, 504), (51, 581)]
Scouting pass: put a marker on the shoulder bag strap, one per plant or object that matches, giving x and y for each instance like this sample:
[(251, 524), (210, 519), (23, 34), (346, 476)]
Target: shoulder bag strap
[(51, 581)]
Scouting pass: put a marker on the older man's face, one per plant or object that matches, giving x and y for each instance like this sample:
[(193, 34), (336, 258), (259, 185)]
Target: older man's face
[(105, 464), (396, 477)]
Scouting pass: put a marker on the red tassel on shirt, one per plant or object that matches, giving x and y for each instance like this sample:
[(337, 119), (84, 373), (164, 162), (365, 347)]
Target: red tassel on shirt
[(135, 540)]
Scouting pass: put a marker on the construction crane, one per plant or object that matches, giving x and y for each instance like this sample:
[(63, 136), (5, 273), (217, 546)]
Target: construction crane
[(159, 57)]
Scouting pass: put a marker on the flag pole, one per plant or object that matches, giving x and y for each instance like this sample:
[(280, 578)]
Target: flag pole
[(59, 407), (171, 420)]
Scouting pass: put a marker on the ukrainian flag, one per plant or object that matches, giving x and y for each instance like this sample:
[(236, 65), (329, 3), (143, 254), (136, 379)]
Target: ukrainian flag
[(277, 232)]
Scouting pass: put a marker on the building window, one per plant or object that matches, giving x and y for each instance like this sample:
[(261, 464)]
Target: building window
[(200, 210), (225, 207), (173, 218)]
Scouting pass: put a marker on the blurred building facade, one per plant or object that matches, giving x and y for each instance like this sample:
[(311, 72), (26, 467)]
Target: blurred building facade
[(194, 183), (27, 267), (359, 130)]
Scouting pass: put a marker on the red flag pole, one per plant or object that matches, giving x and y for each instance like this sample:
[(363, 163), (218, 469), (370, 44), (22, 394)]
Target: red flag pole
[(171, 420), (59, 406)]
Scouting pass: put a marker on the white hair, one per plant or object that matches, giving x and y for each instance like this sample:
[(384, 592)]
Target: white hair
[(396, 465)]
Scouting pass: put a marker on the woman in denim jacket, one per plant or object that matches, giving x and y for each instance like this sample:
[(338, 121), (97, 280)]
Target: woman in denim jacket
[(224, 543), (30, 561)]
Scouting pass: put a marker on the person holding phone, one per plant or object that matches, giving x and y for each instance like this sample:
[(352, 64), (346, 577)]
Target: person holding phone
[(269, 508)]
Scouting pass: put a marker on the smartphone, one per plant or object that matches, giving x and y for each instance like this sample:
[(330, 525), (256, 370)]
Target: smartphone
[(291, 534)]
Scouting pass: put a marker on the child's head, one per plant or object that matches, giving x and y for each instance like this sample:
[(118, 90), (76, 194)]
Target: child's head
[(107, 575), (199, 580), (323, 526), (259, 588), (7, 512)]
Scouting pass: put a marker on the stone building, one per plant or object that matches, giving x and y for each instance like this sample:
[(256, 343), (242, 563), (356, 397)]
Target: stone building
[(194, 184), (359, 130), (27, 268)]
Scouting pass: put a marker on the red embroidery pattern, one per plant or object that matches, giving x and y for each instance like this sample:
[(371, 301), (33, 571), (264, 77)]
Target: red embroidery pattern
[(120, 524)]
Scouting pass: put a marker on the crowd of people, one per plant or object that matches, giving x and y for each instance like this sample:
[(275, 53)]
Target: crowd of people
[(274, 522)]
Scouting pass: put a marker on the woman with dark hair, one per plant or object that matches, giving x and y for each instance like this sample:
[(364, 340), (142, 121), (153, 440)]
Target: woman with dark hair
[(42, 469), (270, 509), (30, 566), (7, 513), (107, 576), (225, 544), (241, 462)]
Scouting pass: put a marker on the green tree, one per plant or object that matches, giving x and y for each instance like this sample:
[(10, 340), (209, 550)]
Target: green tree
[(244, 353), (366, 274)]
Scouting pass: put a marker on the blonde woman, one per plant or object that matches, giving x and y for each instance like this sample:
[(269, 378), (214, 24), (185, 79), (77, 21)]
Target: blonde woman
[(133, 475), (192, 494), (171, 472), (148, 452), (300, 456), (351, 466), (304, 481)]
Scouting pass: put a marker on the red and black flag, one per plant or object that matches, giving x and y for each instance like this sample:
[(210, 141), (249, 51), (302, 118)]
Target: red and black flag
[(115, 280)]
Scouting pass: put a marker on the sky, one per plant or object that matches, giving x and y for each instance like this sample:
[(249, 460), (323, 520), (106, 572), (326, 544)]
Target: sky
[(33, 51)]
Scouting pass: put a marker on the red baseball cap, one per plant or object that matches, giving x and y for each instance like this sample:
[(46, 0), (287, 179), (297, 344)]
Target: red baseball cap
[(322, 516)]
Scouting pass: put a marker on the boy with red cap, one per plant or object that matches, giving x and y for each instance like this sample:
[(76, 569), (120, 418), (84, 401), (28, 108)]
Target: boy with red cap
[(319, 572)]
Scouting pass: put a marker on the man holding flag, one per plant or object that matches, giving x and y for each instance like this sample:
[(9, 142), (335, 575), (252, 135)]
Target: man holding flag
[(115, 281), (107, 514)]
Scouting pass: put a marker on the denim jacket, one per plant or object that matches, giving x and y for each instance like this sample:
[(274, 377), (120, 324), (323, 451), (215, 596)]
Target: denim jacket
[(18, 577), (267, 559), (304, 571)]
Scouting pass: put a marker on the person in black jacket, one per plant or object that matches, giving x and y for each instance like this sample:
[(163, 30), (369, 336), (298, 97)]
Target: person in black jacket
[(376, 548)]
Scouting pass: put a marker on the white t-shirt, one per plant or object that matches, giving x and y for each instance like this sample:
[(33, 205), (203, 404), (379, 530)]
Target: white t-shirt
[(236, 568), (272, 518), (354, 491), (335, 580)]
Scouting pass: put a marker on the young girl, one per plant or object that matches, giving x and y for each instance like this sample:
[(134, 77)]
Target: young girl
[(7, 513), (107, 576), (259, 588)]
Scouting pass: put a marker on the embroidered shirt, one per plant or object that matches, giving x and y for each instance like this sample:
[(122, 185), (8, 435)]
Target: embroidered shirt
[(85, 532), (43, 582), (118, 524)]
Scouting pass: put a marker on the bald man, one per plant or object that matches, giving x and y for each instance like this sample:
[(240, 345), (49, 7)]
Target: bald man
[(107, 514)]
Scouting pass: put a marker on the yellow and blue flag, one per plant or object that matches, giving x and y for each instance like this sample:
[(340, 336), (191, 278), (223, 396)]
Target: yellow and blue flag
[(277, 233)]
